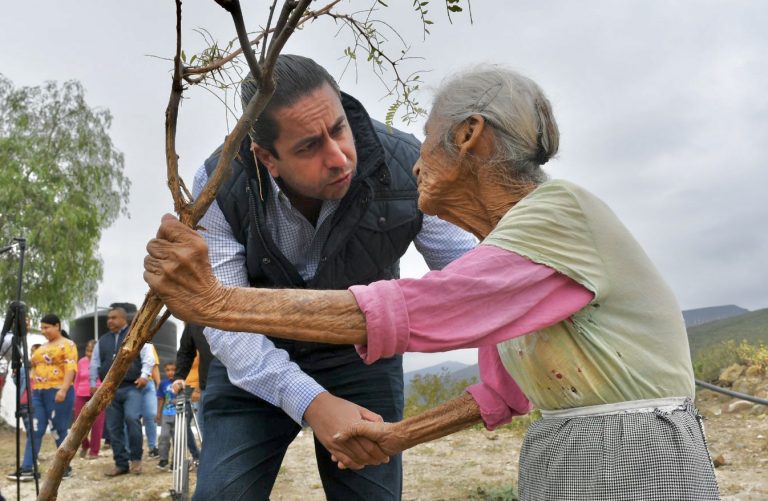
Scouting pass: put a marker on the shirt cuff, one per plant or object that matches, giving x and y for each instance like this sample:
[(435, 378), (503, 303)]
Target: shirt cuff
[(296, 405), (386, 318), (493, 409)]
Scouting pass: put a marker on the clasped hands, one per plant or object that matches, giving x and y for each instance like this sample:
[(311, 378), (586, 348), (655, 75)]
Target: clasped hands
[(354, 436)]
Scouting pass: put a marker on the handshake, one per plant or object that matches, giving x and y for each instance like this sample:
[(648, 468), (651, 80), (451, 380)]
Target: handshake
[(355, 436)]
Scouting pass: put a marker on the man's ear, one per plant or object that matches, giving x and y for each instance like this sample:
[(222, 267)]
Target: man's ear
[(266, 158), (468, 134)]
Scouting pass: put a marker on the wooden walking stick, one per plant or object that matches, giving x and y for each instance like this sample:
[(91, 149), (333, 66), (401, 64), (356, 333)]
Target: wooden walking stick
[(146, 322)]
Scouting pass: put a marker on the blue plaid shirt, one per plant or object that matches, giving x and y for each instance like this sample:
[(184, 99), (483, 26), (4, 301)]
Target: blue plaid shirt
[(252, 361)]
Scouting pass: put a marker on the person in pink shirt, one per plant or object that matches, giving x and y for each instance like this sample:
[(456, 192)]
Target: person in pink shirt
[(92, 445), (568, 312)]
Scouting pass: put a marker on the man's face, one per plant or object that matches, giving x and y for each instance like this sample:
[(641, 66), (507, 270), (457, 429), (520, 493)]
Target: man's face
[(315, 146), (115, 321)]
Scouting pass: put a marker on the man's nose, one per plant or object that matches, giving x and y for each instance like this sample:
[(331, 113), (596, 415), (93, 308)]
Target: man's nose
[(334, 156)]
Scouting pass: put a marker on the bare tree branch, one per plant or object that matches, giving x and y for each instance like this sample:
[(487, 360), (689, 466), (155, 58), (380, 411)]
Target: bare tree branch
[(266, 29), (242, 36), (218, 63), (171, 117)]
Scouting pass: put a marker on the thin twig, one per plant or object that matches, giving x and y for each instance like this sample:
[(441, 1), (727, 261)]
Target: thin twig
[(266, 30)]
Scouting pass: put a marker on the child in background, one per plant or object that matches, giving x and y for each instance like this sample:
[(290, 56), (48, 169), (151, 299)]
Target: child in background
[(166, 413), (82, 396), (166, 417)]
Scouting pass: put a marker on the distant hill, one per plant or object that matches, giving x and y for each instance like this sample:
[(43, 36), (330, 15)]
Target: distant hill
[(751, 326), (451, 367), (707, 327), (468, 372), (700, 316)]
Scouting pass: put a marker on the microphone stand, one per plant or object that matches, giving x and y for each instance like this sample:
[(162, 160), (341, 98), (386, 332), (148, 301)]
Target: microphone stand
[(16, 324)]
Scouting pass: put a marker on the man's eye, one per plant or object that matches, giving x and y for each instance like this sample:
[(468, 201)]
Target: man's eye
[(338, 129), (305, 148)]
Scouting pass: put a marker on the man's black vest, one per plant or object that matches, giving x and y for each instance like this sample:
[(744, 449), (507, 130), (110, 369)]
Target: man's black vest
[(376, 220), (107, 350)]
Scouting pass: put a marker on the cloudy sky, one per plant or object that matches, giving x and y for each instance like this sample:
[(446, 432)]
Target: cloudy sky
[(662, 108)]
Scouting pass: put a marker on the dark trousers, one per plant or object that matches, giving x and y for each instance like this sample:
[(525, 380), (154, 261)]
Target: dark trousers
[(246, 438), (125, 413)]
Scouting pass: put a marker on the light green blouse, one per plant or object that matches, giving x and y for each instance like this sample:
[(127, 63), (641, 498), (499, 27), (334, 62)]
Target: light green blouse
[(630, 343)]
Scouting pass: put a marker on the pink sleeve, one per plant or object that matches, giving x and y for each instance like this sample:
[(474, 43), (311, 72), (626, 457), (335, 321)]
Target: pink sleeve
[(497, 394), (487, 296)]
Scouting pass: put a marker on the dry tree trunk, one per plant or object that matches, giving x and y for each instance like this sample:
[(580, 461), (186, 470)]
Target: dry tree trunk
[(146, 324)]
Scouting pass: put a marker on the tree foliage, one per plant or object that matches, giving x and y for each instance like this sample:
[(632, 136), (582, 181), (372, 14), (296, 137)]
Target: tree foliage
[(431, 390), (61, 184)]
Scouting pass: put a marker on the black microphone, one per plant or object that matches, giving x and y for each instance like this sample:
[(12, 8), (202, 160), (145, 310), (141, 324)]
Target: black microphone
[(6, 249)]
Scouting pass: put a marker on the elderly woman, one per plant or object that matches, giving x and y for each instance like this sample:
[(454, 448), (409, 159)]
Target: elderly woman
[(568, 312)]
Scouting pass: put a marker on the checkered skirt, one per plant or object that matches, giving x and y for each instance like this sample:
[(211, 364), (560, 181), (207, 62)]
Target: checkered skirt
[(654, 455)]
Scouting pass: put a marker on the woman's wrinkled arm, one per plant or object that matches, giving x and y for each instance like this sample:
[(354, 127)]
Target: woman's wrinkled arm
[(178, 271), (393, 438)]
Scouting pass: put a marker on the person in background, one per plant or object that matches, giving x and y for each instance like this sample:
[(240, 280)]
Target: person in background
[(125, 408), (91, 445), (24, 400), (567, 310), (149, 406), (53, 368), (166, 412), (193, 351)]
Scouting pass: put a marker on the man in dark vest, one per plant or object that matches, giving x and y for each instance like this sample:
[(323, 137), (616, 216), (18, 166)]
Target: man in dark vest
[(125, 409), (320, 196)]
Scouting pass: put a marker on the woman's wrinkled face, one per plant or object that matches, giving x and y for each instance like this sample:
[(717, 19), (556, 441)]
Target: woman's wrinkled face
[(434, 171)]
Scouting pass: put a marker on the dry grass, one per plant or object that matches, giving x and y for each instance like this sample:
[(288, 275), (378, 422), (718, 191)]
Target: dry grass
[(471, 465)]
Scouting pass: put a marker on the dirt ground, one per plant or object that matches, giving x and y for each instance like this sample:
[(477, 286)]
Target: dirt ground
[(453, 468)]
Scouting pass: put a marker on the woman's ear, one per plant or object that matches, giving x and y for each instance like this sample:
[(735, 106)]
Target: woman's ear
[(468, 134)]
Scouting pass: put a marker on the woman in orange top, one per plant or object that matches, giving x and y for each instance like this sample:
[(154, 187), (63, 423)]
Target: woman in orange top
[(54, 365)]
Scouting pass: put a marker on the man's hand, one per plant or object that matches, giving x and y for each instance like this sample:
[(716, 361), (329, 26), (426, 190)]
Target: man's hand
[(178, 386), (178, 271), (327, 415), (141, 382), (387, 436)]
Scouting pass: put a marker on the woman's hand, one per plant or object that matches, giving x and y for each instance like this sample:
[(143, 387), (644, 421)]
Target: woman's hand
[(60, 396), (178, 271), (386, 436)]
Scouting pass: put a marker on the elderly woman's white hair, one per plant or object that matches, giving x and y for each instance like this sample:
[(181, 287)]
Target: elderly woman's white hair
[(517, 110)]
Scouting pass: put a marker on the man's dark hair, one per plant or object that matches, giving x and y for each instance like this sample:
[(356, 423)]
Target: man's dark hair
[(295, 77)]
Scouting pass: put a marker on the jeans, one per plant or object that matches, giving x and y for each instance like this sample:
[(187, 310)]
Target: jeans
[(125, 412), (45, 408), (149, 413), (246, 438)]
